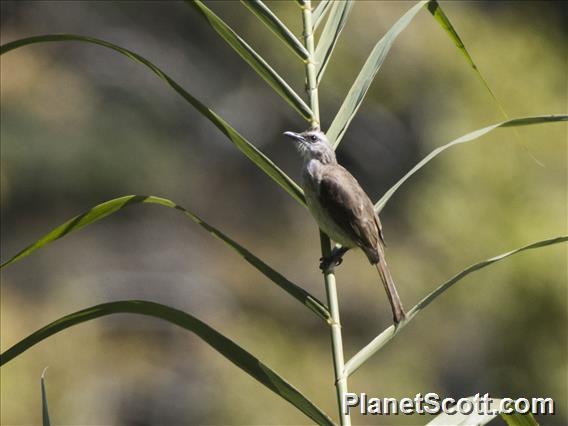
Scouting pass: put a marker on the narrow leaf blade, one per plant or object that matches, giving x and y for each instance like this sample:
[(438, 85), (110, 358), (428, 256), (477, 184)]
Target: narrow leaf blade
[(334, 25), (253, 59), (477, 266), (475, 418), (268, 18), (319, 13), (363, 81), (44, 408), (518, 419), (526, 121), (248, 149), (107, 208), (443, 20), (388, 334), (480, 419), (226, 347)]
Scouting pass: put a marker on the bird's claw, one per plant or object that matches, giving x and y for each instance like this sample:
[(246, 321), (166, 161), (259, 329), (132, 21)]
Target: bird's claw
[(327, 262)]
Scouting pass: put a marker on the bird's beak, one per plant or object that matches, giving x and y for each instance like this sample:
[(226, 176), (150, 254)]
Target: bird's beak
[(295, 136)]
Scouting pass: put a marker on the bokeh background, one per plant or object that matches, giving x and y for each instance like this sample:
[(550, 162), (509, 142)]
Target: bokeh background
[(82, 124)]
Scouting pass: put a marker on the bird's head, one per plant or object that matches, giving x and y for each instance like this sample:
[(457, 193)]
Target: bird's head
[(313, 145)]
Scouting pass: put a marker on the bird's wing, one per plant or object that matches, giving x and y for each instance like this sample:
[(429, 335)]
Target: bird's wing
[(380, 228), (350, 207)]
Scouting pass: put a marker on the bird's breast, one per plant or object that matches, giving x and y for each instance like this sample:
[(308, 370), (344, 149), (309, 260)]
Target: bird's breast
[(311, 180)]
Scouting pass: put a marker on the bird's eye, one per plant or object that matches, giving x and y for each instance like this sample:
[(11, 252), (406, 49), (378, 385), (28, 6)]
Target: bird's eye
[(313, 138)]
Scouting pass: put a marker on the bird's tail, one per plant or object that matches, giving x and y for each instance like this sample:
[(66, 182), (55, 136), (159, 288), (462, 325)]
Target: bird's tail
[(390, 288)]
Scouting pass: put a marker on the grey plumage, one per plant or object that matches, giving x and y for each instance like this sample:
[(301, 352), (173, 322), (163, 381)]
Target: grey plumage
[(342, 209)]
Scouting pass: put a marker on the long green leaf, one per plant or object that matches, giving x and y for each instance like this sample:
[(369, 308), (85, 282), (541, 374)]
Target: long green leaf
[(494, 409), (319, 13), (105, 209), (518, 419), (333, 26), (457, 419), (226, 347), (387, 335), (252, 153), (363, 81), (44, 408), (253, 59), (526, 121), (262, 12), (442, 19)]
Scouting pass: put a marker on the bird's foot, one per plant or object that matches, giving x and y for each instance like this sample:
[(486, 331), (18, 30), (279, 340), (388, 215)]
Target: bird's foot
[(334, 259), (327, 262)]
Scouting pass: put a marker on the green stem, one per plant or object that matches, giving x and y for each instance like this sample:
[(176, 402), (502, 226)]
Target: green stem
[(311, 74), (336, 337), (329, 276)]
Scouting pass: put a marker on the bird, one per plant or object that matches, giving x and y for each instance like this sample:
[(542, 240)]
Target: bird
[(342, 210)]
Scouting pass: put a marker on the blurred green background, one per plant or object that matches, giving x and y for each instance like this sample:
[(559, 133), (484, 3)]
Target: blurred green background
[(82, 124)]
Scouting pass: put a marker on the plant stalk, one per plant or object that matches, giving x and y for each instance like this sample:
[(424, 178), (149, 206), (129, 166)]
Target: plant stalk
[(329, 276), (311, 74), (336, 337)]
